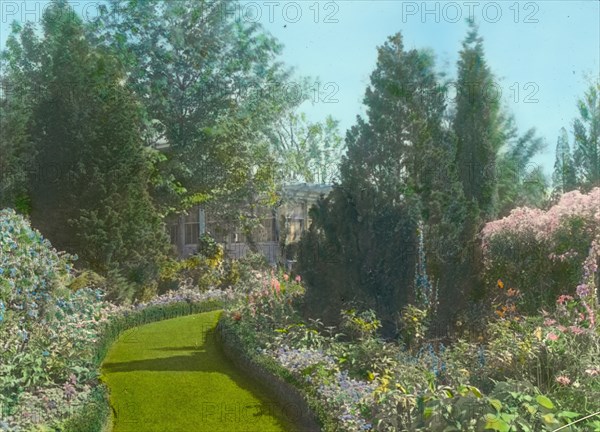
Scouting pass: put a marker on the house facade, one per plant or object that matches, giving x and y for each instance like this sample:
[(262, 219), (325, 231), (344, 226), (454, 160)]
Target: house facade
[(288, 221)]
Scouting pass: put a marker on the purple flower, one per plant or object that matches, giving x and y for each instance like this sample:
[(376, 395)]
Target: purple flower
[(583, 290)]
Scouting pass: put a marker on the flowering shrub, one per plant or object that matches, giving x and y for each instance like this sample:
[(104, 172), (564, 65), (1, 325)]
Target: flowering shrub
[(30, 271), (269, 300), (349, 399), (547, 253), (301, 361)]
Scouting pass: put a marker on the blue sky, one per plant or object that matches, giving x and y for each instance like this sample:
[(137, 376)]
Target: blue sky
[(542, 52), (547, 61)]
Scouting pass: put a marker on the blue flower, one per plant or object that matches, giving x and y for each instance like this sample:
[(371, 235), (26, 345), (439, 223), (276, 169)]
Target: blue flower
[(45, 353)]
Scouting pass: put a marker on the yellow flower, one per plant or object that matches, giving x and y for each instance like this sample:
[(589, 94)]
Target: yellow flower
[(402, 389), (500, 284), (538, 333)]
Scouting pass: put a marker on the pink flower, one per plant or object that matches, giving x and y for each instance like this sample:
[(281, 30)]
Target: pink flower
[(563, 299), (590, 312), (551, 336), (275, 284), (561, 328), (576, 330), (593, 371), (298, 279), (563, 380), (549, 322)]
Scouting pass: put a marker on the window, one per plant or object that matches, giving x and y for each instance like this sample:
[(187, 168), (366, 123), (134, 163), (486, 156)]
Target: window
[(266, 231), (295, 222), (174, 233), (192, 227), (295, 229), (218, 230), (237, 236)]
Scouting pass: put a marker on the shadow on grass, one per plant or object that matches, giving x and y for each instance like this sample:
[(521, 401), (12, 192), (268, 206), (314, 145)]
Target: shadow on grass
[(217, 405), (201, 358)]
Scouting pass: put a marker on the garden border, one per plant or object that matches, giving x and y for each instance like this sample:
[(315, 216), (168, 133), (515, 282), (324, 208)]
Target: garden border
[(294, 398), (95, 414)]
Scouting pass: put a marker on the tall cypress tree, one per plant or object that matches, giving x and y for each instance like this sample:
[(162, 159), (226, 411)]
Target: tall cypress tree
[(477, 125), (564, 175), (368, 224)]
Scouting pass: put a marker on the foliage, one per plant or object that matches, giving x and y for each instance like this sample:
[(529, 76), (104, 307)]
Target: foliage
[(93, 415), (95, 199), (413, 324), (564, 176), (523, 373), (360, 325), (208, 247), (214, 86), (586, 130), (546, 253), (520, 181), (367, 225), (16, 151), (476, 124), (30, 271), (55, 329), (53, 377), (200, 270), (307, 152)]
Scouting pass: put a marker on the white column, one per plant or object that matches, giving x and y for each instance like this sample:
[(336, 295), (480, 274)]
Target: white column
[(201, 220)]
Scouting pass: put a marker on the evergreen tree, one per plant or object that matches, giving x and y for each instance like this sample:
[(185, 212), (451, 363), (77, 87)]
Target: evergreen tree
[(586, 130), (477, 125), (362, 246), (564, 176), (19, 90), (87, 126)]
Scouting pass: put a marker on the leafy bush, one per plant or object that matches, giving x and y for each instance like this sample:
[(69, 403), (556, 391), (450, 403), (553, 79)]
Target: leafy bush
[(197, 270), (546, 253), (30, 271)]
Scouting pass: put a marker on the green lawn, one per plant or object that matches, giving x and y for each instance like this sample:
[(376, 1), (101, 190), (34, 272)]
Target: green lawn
[(171, 376)]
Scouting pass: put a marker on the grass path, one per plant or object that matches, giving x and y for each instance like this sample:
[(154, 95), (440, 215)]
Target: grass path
[(171, 376)]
